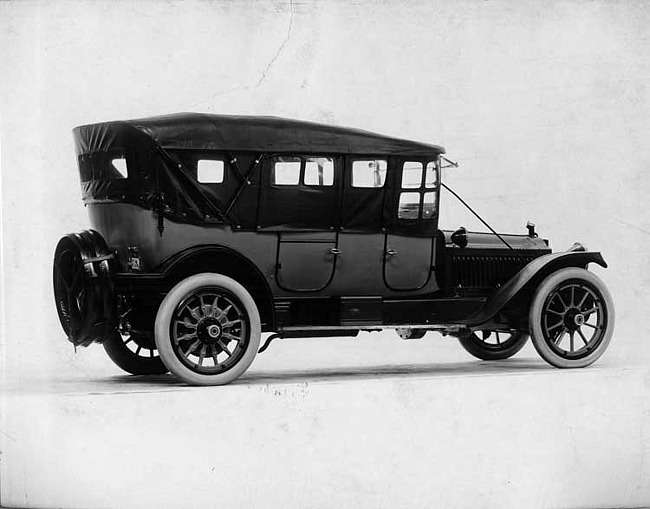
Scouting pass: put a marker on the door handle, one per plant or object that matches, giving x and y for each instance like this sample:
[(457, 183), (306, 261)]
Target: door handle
[(335, 251), (391, 252)]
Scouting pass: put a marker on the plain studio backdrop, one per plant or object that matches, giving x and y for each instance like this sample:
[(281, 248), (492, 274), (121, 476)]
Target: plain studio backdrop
[(546, 107)]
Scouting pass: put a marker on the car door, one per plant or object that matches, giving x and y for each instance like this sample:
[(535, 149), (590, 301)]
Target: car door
[(299, 203), (409, 244), (305, 261), (361, 237)]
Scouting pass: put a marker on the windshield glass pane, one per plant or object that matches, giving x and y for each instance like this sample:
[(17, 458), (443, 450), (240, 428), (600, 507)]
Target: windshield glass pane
[(409, 206), (431, 175), (429, 205)]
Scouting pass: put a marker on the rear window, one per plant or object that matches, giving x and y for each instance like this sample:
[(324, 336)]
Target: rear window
[(209, 171), (103, 166)]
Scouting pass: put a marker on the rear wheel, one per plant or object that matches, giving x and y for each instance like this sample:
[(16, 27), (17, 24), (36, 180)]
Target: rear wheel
[(493, 345), (208, 329), (571, 318), (135, 354)]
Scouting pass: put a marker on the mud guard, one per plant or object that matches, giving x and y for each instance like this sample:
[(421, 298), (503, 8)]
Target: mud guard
[(538, 269)]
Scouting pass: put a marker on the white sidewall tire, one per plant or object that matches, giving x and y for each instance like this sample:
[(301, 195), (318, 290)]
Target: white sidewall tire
[(166, 312), (535, 318)]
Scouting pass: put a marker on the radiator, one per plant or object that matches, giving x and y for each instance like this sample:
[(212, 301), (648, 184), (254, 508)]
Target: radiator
[(479, 271)]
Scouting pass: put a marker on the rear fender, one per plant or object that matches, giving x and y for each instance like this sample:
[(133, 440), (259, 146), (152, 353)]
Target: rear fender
[(532, 274), (226, 261)]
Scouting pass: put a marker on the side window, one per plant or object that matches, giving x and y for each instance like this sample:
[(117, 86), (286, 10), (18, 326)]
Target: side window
[(412, 175), (420, 201), (306, 170), (209, 171), (319, 171), (300, 192), (103, 166), (285, 171), (369, 172)]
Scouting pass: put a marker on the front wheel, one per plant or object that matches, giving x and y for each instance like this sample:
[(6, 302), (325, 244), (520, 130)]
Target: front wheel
[(571, 318), (493, 345), (208, 329)]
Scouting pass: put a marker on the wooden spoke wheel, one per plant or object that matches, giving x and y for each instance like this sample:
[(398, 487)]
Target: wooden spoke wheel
[(571, 318), (208, 329)]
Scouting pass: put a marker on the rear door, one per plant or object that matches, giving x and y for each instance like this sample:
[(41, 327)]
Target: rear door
[(305, 260), (300, 204), (409, 245)]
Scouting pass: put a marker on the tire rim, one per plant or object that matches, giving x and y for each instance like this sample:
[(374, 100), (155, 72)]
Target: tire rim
[(574, 319), (209, 331), (141, 345), (495, 341)]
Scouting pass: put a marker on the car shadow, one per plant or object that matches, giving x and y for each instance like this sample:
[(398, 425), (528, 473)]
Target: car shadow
[(134, 384), (431, 370), (511, 367)]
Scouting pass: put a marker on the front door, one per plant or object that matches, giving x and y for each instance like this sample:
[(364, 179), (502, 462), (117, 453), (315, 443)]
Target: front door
[(407, 261), (408, 255)]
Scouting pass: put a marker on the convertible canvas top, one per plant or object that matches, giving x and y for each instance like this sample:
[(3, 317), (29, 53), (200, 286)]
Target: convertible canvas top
[(161, 157), (245, 133)]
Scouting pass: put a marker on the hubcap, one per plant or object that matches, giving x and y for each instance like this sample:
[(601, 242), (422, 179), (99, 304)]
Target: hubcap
[(573, 319), (208, 330)]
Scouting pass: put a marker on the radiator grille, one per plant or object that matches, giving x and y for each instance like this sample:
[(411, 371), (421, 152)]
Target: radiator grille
[(485, 271)]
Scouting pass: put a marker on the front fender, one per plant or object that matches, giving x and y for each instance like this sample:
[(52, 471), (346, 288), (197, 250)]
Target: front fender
[(532, 274)]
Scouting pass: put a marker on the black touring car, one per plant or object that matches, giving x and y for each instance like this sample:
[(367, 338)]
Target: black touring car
[(209, 230)]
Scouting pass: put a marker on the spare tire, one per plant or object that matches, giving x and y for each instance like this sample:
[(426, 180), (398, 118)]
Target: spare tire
[(83, 288)]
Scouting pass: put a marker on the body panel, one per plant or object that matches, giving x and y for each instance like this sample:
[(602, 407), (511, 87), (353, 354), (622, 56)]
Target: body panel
[(124, 225)]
